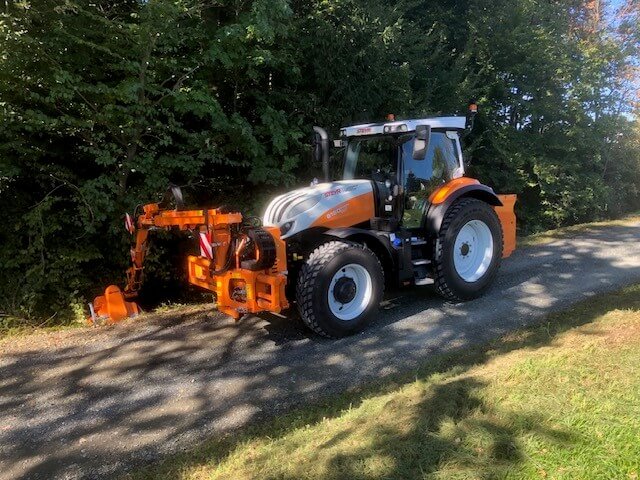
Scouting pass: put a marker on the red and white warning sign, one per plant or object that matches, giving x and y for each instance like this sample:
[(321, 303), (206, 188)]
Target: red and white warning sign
[(128, 223), (206, 250)]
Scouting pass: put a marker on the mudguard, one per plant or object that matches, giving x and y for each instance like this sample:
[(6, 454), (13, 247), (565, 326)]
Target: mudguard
[(436, 211), (380, 244), (353, 232)]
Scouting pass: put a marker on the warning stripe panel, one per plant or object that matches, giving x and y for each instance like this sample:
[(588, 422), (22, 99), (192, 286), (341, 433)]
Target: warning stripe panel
[(206, 250), (128, 223)]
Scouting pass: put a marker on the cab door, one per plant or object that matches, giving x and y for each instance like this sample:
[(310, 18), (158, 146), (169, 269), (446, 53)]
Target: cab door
[(420, 178)]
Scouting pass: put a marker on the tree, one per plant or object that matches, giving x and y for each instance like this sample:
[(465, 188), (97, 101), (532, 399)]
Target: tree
[(102, 104)]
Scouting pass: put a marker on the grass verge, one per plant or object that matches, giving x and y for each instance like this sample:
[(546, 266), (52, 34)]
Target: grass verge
[(11, 327), (567, 232), (561, 400)]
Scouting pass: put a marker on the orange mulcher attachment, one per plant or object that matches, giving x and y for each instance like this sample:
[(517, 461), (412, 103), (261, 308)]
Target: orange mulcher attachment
[(244, 266), (111, 307)]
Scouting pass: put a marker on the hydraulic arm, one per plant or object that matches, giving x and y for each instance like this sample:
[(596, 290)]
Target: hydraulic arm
[(244, 266)]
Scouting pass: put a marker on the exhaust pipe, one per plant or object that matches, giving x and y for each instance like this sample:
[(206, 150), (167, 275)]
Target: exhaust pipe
[(321, 150)]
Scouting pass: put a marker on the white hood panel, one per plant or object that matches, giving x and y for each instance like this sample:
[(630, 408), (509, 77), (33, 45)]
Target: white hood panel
[(304, 206)]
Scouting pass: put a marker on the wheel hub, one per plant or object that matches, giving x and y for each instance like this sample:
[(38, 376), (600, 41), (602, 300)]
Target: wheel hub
[(473, 250), (350, 291), (345, 290)]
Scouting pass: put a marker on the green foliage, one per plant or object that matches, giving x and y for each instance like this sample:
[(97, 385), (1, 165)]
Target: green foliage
[(102, 104)]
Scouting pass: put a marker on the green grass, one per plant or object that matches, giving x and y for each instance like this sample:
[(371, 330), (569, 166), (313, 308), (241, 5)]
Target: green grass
[(573, 230), (11, 327), (561, 401)]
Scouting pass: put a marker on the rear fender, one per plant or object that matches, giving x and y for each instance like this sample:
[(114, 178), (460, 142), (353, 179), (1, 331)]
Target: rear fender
[(436, 211), (503, 205)]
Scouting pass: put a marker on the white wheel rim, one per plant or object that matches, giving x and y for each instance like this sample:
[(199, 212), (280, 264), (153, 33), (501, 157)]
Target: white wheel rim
[(473, 250), (358, 277)]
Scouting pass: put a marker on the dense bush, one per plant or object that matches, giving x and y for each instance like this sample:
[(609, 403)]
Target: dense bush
[(102, 104)]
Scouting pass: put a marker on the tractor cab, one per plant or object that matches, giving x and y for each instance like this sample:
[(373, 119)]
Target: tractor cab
[(407, 161), (402, 185)]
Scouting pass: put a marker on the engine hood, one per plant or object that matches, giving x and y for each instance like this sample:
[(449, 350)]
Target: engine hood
[(329, 205)]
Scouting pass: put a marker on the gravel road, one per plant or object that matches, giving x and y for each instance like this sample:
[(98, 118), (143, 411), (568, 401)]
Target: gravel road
[(93, 403)]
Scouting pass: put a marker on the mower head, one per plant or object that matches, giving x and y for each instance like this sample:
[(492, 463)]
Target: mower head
[(111, 307)]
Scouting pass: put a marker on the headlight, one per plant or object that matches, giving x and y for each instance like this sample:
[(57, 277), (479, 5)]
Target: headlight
[(284, 229)]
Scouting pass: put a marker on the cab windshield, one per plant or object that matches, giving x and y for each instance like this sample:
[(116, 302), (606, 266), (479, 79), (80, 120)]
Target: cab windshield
[(376, 158), (373, 157)]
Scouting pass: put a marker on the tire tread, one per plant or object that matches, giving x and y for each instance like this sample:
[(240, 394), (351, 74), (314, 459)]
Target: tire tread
[(441, 285), (307, 278)]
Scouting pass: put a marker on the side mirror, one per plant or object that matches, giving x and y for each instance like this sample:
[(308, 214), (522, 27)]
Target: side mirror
[(421, 141)]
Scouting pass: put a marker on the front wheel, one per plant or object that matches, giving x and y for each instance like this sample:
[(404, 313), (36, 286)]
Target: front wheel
[(468, 250), (339, 288)]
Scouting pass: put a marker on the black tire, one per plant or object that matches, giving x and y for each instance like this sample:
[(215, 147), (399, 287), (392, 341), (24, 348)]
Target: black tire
[(314, 281), (448, 282)]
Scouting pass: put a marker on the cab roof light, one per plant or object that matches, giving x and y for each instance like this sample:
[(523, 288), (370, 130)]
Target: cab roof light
[(395, 128), (471, 114)]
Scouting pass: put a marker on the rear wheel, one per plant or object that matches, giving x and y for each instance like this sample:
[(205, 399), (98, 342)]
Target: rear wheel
[(468, 250), (339, 288)]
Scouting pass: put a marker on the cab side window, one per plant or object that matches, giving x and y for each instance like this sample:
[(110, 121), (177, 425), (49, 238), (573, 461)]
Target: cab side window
[(444, 157), (422, 177)]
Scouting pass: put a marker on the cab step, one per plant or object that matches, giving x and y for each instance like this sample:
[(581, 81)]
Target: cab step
[(420, 261), (421, 271)]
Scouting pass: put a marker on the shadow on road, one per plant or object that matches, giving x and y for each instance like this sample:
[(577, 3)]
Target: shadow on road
[(92, 409)]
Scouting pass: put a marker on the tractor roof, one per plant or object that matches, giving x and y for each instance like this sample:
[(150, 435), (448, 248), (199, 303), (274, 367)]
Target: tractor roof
[(446, 123)]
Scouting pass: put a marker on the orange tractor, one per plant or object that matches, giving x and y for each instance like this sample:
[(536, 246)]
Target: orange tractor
[(402, 213)]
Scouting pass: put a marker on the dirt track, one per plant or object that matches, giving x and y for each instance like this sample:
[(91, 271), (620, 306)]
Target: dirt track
[(94, 403)]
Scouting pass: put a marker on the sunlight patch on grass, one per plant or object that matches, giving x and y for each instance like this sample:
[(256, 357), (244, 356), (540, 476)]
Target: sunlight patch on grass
[(12, 326)]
